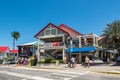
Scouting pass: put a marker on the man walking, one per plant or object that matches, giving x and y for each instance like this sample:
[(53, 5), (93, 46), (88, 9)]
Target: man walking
[(73, 62)]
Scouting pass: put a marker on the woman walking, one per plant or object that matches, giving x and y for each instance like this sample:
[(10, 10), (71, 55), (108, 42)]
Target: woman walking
[(87, 62)]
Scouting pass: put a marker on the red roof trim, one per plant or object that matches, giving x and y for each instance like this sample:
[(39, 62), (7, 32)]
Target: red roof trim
[(53, 26), (69, 28), (3, 48), (13, 51)]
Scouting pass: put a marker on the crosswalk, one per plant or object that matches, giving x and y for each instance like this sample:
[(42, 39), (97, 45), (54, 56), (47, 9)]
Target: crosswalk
[(51, 75), (27, 77)]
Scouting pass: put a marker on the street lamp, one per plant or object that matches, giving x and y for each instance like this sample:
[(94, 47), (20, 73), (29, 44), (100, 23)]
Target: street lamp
[(71, 46), (38, 50), (69, 40)]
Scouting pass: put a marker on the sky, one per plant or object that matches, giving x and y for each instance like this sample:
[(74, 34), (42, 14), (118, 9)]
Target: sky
[(28, 17)]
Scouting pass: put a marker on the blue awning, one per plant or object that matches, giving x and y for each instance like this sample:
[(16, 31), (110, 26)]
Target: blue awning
[(84, 49)]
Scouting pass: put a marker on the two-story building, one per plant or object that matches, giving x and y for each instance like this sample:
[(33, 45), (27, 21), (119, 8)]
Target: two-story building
[(57, 40), (62, 42)]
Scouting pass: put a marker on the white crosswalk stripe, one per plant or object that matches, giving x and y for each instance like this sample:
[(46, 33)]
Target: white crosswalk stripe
[(69, 75), (24, 75)]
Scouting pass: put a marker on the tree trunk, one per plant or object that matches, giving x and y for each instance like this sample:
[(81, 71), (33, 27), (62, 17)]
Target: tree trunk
[(13, 45)]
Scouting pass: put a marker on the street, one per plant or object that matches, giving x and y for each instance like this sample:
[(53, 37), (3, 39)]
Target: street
[(13, 73)]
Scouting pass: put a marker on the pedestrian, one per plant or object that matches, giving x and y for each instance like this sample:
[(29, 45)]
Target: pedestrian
[(64, 60), (73, 62), (118, 59), (108, 60), (25, 61), (87, 62), (35, 60), (112, 58), (19, 61)]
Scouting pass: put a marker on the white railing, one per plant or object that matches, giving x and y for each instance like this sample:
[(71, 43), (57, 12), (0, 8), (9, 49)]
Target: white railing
[(54, 45)]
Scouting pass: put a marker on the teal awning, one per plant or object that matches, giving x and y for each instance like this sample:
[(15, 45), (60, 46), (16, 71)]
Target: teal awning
[(35, 44), (84, 49)]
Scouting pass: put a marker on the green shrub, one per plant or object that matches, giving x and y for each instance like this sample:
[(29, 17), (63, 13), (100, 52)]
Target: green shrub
[(54, 61), (40, 61), (48, 60), (61, 61)]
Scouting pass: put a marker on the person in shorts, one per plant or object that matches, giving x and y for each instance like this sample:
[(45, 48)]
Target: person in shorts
[(73, 62), (87, 62)]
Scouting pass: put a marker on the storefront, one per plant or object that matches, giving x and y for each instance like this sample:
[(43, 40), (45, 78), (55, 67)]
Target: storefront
[(28, 49), (80, 53)]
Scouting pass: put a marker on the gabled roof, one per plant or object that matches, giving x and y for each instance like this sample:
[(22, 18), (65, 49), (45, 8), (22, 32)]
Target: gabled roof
[(13, 51), (48, 26), (71, 31), (3, 49)]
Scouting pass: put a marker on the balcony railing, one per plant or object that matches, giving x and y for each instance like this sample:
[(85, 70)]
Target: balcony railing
[(54, 45), (86, 45)]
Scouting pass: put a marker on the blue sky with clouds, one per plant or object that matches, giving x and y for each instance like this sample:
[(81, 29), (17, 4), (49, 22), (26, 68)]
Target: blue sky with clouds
[(29, 16)]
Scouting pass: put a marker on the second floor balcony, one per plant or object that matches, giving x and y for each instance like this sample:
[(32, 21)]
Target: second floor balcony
[(54, 45)]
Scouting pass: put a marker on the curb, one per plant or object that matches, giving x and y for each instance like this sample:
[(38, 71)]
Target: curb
[(107, 72), (46, 68), (34, 67)]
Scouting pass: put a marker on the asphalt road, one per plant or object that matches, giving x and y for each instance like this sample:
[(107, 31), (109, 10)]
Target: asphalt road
[(8, 73)]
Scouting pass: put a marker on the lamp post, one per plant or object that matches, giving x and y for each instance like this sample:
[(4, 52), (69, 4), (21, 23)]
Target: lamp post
[(71, 46), (69, 41), (80, 45), (38, 51)]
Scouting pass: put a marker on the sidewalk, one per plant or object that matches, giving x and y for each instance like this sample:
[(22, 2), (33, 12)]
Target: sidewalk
[(79, 68)]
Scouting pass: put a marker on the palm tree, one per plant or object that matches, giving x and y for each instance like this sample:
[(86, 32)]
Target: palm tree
[(15, 36), (111, 35)]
